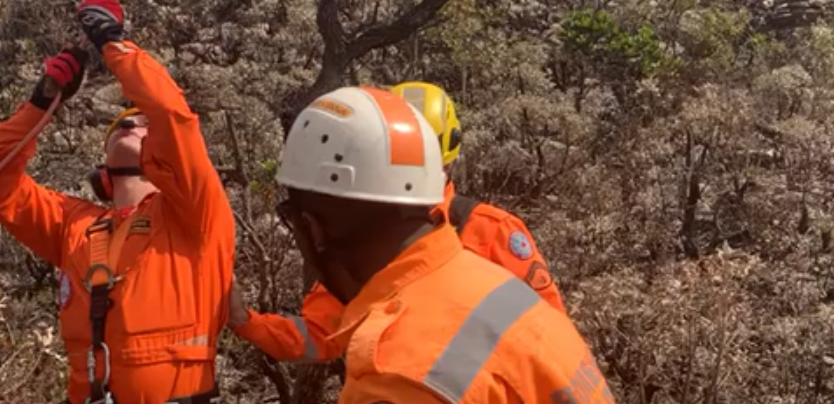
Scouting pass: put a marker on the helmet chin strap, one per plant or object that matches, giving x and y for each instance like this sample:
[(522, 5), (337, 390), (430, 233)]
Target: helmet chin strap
[(124, 171)]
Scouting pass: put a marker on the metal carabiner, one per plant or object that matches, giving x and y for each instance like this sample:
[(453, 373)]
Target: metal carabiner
[(95, 268), (91, 372), (91, 363), (108, 399), (106, 364)]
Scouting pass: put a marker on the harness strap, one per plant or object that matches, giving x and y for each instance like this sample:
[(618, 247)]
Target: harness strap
[(210, 397), (105, 248), (459, 210)]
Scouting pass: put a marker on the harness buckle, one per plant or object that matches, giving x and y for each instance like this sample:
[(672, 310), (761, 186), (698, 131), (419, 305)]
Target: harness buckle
[(108, 399), (95, 268)]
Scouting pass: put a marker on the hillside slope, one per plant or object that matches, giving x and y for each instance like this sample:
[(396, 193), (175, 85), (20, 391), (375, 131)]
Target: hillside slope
[(672, 158)]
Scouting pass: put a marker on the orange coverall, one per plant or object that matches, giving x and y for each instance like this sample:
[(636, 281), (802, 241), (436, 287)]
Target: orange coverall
[(488, 232), (416, 336), (170, 301)]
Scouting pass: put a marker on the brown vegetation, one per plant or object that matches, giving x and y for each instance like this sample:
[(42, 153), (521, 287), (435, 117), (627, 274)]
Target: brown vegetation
[(673, 159)]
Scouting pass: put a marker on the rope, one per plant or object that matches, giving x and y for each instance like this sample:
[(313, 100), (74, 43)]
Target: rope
[(32, 133)]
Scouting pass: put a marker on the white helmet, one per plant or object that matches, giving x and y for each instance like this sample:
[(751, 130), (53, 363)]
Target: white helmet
[(364, 143)]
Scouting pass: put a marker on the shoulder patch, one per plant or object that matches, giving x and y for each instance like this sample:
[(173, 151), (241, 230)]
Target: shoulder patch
[(64, 290), (141, 225), (520, 246), (538, 276)]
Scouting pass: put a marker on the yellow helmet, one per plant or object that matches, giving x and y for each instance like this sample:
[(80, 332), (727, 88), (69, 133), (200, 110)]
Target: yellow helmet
[(439, 110)]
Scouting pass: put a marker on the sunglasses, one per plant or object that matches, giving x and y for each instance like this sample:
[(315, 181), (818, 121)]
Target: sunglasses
[(126, 121), (135, 121)]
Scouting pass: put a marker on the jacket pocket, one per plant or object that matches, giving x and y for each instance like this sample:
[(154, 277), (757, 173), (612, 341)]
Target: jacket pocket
[(185, 344)]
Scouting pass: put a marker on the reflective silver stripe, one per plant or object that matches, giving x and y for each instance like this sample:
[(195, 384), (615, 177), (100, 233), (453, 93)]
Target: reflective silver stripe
[(311, 351), (585, 384), (417, 98), (453, 372)]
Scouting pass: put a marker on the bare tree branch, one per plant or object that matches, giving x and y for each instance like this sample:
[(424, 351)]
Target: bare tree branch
[(340, 52), (405, 26)]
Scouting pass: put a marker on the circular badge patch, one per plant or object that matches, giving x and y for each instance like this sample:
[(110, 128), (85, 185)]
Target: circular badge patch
[(64, 290), (520, 246)]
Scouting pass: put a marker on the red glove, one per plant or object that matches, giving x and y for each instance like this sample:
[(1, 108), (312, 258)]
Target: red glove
[(102, 21), (66, 69)]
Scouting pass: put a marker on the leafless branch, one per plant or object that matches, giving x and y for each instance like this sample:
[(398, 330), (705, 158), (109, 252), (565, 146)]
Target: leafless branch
[(340, 51)]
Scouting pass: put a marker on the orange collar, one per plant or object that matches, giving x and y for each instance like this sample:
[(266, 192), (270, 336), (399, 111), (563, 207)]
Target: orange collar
[(123, 213), (449, 191), (420, 258), (448, 195)]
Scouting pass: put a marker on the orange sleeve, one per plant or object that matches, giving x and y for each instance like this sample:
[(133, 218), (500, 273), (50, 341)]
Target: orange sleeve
[(174, 154), (391, 388), (387, 389), (288, 337), (513, 248), (33, 214)]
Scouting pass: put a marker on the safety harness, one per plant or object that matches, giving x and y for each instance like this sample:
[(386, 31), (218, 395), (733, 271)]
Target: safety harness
[(105, 249), (459, 210)]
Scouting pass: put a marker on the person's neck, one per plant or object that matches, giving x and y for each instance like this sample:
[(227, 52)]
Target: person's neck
[(129, 191), (374, 254)]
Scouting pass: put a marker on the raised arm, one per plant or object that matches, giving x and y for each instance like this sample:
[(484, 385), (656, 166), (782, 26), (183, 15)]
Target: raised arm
[(174, 154), (33, 214)]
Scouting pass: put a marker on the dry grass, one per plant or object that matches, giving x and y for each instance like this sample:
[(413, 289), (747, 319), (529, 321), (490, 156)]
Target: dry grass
[(686, 212)]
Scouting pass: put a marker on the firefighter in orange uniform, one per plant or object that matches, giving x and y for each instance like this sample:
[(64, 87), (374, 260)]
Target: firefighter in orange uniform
[(426, 320), (144, 283), (487, 230)]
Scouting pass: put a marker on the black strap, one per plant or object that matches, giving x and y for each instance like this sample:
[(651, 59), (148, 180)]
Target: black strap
[(124, 171), (210, 397), (99, 305), (459, 210)]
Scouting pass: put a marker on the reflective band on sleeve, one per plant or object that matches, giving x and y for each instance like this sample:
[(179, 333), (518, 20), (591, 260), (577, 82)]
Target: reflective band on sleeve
[(463, 358), (311, 351), (587, 386)]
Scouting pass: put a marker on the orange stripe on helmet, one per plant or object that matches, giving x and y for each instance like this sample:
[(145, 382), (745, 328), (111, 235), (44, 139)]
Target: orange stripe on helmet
[(405, 139)]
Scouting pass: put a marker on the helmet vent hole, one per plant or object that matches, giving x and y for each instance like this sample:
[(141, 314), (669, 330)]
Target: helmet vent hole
[(306, 124), (334, 177), (338, 157), (408, 186), (325, 138)]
